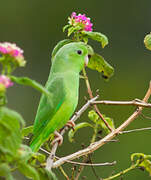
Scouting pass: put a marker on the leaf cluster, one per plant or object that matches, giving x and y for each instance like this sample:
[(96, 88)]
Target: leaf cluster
[(142, 161), (14, 155), (96, 123)]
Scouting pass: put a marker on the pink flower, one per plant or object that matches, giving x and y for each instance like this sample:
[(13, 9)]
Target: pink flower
[(5, 81), (82, 20), (73, 15), (11, 50)]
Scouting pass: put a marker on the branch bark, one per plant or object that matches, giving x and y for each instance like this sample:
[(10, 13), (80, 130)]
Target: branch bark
[(133, 103), (103, 141)]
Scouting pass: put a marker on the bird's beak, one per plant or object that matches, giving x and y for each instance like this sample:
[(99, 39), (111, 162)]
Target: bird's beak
[(86, 60)]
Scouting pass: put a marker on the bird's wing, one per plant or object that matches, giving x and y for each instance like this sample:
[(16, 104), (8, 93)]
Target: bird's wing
[(48, 107)]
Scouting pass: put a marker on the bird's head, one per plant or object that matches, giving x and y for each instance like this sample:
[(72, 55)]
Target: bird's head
[(72, 56)]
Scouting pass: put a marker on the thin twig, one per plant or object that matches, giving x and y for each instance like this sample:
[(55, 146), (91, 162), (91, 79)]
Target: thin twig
[(83, 164), (80, 170), (133, 103), (135, 130), (73, 172), (110, 136), (90, 164), (91, 97), (146, 117), (86, 158), (63, 172), (50, 159), (92, 167), (122, 172)]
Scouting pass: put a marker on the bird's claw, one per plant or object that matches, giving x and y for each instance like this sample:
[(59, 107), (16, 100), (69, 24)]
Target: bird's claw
[(70, 124), (58, 138)]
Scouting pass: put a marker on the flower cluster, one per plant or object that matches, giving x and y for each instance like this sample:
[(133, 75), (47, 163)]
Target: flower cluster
[(81, 20), (4, 80), (11, 50)]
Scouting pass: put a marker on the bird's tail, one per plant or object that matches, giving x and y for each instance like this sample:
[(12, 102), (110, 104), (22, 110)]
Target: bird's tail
[(36, 143)]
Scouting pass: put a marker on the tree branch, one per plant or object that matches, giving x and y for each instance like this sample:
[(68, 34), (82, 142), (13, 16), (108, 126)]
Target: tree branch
[(81, 163), (110, 136), (91, 164)]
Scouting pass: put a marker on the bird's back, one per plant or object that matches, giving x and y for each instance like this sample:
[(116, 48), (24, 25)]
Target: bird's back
[(52, 114)]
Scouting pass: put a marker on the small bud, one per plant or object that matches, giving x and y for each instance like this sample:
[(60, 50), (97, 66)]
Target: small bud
[(147, 41)]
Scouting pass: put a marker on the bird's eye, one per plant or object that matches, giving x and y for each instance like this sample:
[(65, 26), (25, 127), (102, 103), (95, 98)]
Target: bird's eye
[(89, 56), (79, 52)]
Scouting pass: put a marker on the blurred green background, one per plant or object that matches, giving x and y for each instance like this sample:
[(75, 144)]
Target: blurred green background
[(36, 26)]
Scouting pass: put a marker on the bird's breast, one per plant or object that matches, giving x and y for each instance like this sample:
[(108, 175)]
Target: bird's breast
[(72, 89)]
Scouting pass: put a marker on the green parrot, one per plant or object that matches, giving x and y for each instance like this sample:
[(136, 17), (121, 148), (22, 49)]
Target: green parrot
[(63, 84)]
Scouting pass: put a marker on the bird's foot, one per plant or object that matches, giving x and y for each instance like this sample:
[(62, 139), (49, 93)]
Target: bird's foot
[(58, 138), (70, 124)]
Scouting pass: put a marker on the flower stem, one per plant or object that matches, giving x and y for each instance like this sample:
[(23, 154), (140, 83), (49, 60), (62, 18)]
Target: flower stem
[(95, 133)]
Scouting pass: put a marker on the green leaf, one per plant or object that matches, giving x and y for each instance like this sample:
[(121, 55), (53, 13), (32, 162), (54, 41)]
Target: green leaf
[(73, 29), (76, 128), (93, 116), (66, 27), (137, 156), (97, 62), (10, 129), (146, 164), (147, 41), (11, 113), (97, 37), (40, 157), (24, 153), (59, 45), (28, 171), (85, 39), (29, 82), (109, 121), (27, 130), (4, 151), (5, 171)]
